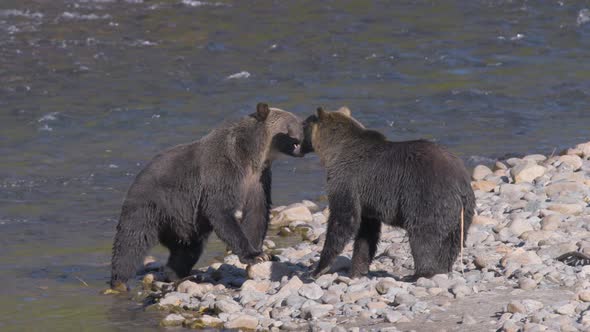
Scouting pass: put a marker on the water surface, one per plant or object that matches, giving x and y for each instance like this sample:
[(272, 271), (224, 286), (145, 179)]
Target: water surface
[(90, 90)]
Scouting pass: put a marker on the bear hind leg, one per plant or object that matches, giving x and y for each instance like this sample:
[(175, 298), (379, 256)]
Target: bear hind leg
[(128, 251), (433, 253), (365, 247), (182, 259)]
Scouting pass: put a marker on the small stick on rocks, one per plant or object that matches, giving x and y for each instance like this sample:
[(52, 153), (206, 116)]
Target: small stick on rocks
[(462, 237)]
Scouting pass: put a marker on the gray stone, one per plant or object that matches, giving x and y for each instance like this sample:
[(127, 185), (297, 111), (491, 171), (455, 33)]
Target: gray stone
[(293, 212), (392, 316), (331, 297), (175, 299), (326, 280), (404, 298), (480, 172), (311, 291), (316, 311), (527, 171), (527, 283), (385, 284), (242, 322), (172, 320), (227, 306), (516, 307), (468, 320), (519, 226), (268, 270)]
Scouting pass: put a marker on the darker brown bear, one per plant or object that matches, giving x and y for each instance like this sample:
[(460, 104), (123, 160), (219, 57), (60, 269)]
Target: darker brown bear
[(192, 189), (416, 185)]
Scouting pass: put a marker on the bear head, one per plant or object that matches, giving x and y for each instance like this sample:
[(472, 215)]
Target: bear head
[(284, 130), (325, 127)]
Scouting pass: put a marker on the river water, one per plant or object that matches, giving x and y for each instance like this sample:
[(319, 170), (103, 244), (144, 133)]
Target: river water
[(90, 90)]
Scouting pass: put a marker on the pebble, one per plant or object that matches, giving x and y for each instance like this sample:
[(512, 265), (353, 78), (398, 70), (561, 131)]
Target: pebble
[(480, 172), (242, 322), (385, 284), (527, 283), (316, 311), (268, 270), (172, 320), (392, 316), (311, 291)]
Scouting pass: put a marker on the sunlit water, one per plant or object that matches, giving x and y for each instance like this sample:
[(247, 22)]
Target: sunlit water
[(90, 90)]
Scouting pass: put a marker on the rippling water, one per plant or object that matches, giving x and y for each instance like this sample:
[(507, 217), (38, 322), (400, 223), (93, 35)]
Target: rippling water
[(90, 90)]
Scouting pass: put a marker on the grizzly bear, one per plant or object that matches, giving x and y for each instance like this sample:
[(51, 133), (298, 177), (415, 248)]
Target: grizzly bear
[(192, 189), (416, 185)]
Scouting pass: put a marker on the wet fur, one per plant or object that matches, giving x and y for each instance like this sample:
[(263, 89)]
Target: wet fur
[(416, 185), (191, 190)]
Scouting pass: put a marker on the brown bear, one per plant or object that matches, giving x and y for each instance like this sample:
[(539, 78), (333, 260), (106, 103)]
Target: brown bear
[(190, 190), (416, 185)]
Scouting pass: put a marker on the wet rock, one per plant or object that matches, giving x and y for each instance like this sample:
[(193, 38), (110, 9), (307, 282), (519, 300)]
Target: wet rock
[(172, 320), (206, 321), (174, 299), (311, 291), (242, 322), (480, 172), (527, 171), (291, 213)]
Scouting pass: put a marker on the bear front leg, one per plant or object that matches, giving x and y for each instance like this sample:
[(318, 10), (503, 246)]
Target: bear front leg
[(256, 211), (229, 231), (343, 223), (365, 247)]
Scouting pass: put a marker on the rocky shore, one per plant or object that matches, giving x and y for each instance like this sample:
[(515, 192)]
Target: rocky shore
[(523, 268)]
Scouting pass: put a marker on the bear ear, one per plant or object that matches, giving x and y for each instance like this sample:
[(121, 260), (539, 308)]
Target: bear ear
[(321, 113), (345, 110), (262, 111)]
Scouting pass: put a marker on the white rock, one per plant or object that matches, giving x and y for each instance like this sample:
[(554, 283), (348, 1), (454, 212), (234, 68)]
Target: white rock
[(194, 289), (519, 226), (293, 212), (527, 171), (316, 311), (311, 206), (268, 270), (570, 209), (522, 257), (172, 320), (242, 322), (311, 291), (480, 172), (575, 162)]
